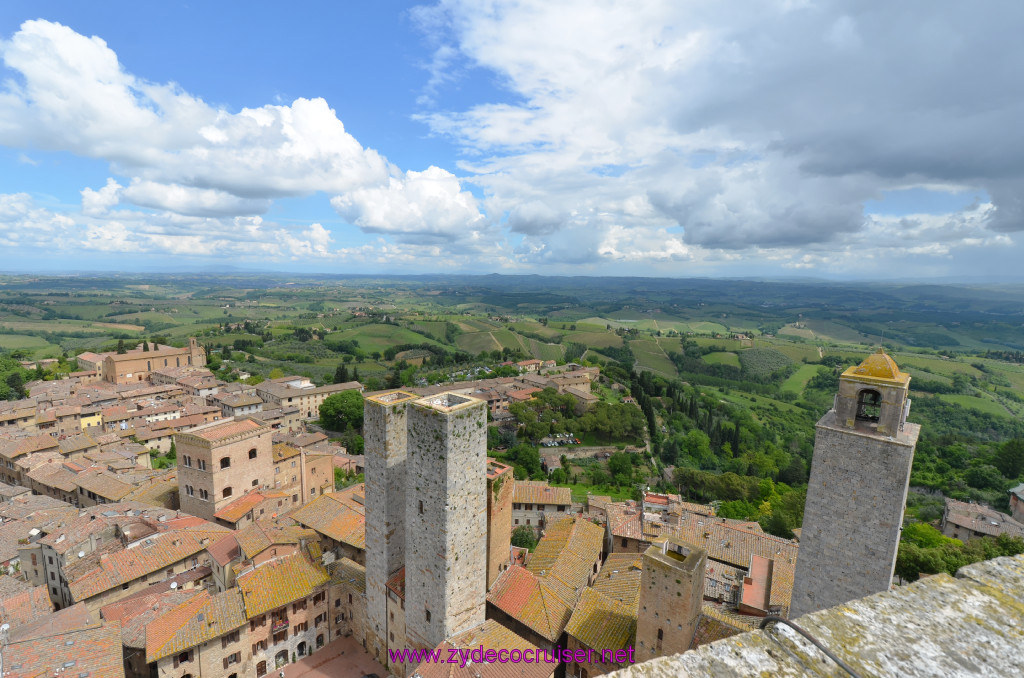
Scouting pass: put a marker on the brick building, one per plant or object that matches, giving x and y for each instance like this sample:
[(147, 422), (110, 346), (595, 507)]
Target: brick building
[(219, 462), (124, 368)]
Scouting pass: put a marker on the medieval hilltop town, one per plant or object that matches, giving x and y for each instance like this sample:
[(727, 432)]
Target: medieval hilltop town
[(244, 560)]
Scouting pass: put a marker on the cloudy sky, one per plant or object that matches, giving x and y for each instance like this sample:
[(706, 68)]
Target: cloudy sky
[(872, 140)]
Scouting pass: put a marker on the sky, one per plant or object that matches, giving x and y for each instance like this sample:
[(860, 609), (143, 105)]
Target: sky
[(681, 138)]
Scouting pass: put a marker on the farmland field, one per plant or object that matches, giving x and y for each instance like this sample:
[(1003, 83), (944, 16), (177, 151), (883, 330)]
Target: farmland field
[(722, 358), (798, 380)]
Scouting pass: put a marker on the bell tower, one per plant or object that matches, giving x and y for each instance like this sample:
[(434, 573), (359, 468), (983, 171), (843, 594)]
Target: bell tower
[(860, 473)]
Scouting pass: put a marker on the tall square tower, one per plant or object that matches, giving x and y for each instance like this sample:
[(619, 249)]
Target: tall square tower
[(385, 431), (446, 518), (863, 451), (671, 595)]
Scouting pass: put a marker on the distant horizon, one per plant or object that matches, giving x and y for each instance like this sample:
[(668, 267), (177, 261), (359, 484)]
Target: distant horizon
[(232, 271)]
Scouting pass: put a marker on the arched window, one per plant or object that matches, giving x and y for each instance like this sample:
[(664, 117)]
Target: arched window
[(661, 634), (252, 453), (301, 649), (869, 403), (225, 462), (320, 640), (227, 491)]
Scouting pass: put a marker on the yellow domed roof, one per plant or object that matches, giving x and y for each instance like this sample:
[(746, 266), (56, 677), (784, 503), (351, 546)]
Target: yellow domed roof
[(878, 365)]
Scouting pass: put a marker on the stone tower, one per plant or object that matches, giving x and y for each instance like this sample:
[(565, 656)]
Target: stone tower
[(671, 595), (446, 518), (499, 518), (863, 450), (385, 426)]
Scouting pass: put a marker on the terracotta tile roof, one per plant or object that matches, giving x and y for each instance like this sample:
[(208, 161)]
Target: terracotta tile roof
[(715, 623), (542, 595), (199, 619), (566, 540), (347, 572), (104, 484), (528, 599), (220, 431), (69, 638), (619, 578), (333, 518), (602, 623), (281, 451), (54, 475), (22, 603), (539, 492), (137, 611), (491, 636), (263, 534), (224, 550), (625, 521), (735, 544), (280, 582), (234, 511), (90, 577), (981, 519), (397, 583)]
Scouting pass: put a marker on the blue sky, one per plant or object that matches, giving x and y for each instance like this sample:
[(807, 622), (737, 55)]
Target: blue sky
[(777, 138)]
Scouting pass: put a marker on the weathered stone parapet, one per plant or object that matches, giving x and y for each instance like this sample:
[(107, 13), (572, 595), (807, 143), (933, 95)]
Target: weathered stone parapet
[(970, 625)]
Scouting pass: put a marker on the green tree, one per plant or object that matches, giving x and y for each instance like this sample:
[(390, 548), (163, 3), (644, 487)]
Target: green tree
[(276, 373), (926, 536), (1010, 458), (120, 346), (524, 537), (145, 346), (342, 411), (16, 383), (341, 374)]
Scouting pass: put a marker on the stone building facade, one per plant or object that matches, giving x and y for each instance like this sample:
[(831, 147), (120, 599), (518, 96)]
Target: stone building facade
[(500, 483), (446, 518), (385, 432), (671, 594), (133, 366), (860, 473), (219, 462)]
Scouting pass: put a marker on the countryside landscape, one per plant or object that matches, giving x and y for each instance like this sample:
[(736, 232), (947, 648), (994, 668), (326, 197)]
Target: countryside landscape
[(708, 388)]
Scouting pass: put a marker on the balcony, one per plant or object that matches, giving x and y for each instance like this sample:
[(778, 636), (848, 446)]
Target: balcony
[(278, 625)]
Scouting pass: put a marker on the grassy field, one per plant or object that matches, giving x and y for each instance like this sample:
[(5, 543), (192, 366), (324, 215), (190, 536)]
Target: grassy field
[(722, 358), (475, 342), (23, 342), (977, 403), (595, 339), (798, 352), (649, 355), (376, 337), (798, 380)]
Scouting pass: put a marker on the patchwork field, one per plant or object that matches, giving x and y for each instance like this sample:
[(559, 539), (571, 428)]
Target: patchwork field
[(722, 358)]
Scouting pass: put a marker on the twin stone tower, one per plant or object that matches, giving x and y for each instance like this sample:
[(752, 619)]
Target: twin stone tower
[(426, 504), (426, 511)]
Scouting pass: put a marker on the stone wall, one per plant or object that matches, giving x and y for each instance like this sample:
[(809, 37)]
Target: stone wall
[(968, 626), (446, 518), (853, 515), (385, 429), (671, 593)]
